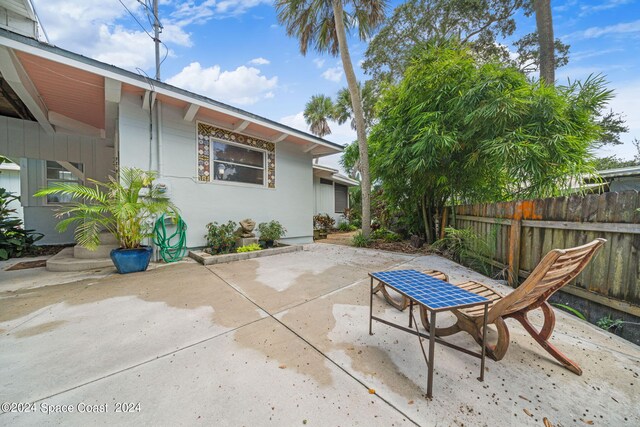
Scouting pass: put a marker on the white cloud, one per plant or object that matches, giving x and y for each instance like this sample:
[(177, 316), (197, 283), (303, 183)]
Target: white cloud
[(624, 28), (260, 61), (340, 134), (626, 103), (243, 86), (105, 31), (611, 4), (122, 48), (189, 12), (319, 62), (333, 74)]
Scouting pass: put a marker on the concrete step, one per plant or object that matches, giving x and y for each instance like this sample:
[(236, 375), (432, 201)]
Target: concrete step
[(107, 242), (107, 238), (64, 261), (102, 251)]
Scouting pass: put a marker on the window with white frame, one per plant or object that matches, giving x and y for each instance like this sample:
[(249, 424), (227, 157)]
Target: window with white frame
[(56, 173), (236, 163)]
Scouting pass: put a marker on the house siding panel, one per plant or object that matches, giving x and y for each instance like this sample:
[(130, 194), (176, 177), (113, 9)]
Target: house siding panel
[(27, 141), (291, 202)]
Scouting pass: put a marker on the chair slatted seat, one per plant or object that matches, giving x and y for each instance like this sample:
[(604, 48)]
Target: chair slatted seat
[(554, 271)]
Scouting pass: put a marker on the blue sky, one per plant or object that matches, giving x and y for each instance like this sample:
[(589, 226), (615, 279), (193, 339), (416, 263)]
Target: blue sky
[(235, 51)]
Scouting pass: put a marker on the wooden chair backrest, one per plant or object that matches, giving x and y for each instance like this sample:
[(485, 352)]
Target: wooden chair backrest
[(556, 269)]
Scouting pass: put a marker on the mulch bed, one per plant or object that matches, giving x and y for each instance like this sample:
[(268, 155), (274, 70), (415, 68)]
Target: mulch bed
[(27, 264), (48, 250), (403, 247)]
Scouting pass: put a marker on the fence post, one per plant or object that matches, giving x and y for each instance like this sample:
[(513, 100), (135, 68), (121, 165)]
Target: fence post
[(514, 252)]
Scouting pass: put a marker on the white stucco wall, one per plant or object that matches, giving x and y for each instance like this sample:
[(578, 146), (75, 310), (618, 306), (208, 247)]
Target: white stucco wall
[(291, 202)]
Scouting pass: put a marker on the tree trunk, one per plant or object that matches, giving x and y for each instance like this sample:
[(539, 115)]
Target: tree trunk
[(358, 113), (428, 235), (544, 24)]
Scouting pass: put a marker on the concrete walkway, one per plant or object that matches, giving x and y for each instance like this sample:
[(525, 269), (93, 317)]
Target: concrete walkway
[(282, 340)]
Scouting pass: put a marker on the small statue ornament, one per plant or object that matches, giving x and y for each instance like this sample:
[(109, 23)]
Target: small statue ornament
[(246, 228)]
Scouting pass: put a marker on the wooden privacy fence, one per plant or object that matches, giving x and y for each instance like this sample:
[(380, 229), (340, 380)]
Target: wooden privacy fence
[(521, 233)]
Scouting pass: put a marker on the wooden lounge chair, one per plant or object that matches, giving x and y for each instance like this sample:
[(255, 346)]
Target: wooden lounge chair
[(403, 302), (555, 270)]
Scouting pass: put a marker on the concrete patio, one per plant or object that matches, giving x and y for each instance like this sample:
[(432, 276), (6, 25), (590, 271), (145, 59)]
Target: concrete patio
[(282, 340)]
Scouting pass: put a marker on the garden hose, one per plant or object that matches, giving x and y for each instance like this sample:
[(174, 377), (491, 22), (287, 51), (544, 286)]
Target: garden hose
[(170, 252)]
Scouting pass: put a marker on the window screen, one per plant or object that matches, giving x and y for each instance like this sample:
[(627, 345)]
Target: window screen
[(237, 164), (342, 196), (57, 174), (326, 181)]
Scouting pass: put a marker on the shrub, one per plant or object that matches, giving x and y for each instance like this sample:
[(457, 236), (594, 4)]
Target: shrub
[(344, 226), (221, 238), (249, 248), (466, 247), (271, 231), (352, 227), (14, 240), (360, 241), (323, 222), (386, 235)]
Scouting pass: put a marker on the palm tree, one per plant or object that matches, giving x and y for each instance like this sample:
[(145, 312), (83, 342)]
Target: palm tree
[(544, 25), (323, 24), (317, 112), (343, 107)]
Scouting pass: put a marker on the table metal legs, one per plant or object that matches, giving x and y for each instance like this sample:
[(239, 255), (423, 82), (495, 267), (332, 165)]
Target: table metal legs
[(484, 342), (371, 308), (411, 313), (432, 345)]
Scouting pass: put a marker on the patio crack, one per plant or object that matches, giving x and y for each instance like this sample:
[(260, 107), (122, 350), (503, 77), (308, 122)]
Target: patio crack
[(320, 352)]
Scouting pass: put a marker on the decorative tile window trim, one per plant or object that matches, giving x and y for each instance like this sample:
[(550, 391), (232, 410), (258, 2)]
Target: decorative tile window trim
[(208, 133)]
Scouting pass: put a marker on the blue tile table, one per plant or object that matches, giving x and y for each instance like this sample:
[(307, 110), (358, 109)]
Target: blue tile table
[(436, 296)]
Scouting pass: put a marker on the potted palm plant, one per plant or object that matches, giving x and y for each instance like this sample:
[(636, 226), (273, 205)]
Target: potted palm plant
[(124, 208)]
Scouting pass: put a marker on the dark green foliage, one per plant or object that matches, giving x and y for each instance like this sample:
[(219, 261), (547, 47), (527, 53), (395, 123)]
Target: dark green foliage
[(607, 323), (465, 247), (14, 240), (455, 130), (344, 226), (360, 240), (482, 26), (271, 231), (386, 235), (221, 239)]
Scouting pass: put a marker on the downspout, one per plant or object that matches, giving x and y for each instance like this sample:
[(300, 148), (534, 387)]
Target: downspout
[(159, 135)]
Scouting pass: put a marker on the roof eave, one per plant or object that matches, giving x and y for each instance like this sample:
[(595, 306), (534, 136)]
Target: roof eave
[(56, 54)]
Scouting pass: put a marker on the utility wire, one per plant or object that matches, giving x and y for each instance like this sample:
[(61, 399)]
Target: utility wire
[(136, 19)]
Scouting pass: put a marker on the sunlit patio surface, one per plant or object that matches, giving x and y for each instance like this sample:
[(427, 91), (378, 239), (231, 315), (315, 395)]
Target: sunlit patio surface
[(281, 340)]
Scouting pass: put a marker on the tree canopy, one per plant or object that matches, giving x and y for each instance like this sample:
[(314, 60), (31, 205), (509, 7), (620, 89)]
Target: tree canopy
[(458, 129), (481, 25)]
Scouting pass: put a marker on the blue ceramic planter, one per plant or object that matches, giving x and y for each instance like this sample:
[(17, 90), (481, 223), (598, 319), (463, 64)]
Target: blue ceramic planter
[(131, 260)]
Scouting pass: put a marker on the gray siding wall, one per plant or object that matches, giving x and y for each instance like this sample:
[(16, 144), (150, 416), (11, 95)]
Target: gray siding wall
[(25, 140), (325, 200), (291, 202)]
